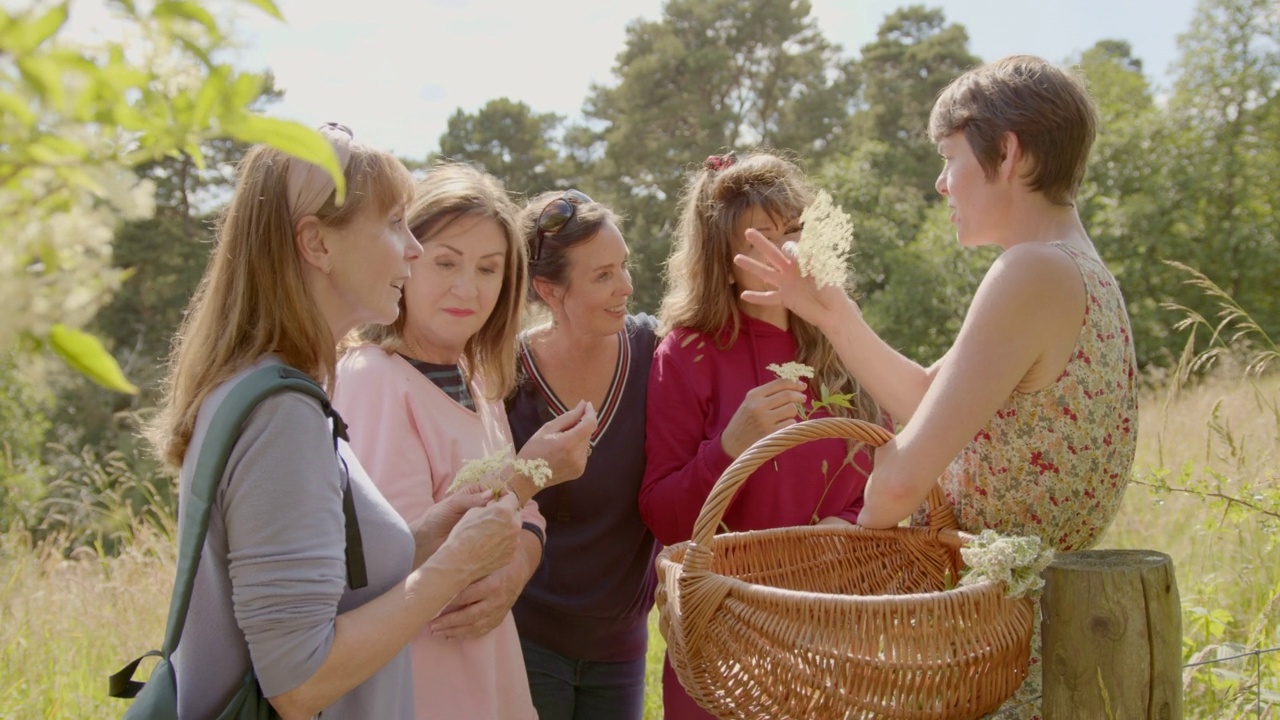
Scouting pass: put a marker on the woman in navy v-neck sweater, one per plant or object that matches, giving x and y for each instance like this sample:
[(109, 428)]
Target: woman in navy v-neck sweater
[(583, 616)]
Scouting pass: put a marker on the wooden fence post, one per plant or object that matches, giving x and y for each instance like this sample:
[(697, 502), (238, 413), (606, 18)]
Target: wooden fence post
[(1112, 636)]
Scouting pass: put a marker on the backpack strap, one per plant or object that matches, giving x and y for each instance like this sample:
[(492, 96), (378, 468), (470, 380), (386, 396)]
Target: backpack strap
[(215, 450)]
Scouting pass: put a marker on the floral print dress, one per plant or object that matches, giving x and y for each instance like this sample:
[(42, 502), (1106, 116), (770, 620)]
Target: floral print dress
[(1054, 463)]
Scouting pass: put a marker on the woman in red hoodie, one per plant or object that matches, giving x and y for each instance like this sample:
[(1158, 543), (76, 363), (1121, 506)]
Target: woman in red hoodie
[(711, 391)]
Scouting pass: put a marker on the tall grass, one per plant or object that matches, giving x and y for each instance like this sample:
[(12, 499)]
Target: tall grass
[(66, 623), (1205, 483)]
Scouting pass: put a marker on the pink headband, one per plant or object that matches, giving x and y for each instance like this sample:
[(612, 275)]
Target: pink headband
[(716, 163), (310, 185)]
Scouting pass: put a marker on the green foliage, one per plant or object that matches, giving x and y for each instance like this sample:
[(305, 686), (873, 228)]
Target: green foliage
[(1228, 98), (101, 500), (924, 300), (914, 56), (1193, 180), (76, 118), (510, 141), (828, 399), (23, 424), (886, 216)]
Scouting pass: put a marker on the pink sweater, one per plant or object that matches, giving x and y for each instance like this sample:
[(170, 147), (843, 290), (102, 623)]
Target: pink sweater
[(412, 438)]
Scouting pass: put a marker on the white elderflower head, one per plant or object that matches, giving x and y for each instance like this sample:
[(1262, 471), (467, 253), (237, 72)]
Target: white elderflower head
[(536, 469), (827, 241), (1015, 561), (791, 370), (495, 471), (488, 472)]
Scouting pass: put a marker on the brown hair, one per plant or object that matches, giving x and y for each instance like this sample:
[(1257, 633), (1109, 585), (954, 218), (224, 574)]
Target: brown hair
[(699, 294), (252, 299), (552, 264), (449, 192), (1048, 108)]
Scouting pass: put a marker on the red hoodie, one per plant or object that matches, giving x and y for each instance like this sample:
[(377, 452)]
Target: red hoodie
[(694, 390)]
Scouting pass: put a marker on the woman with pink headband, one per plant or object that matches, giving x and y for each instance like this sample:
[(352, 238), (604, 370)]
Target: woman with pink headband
[(293, 271)]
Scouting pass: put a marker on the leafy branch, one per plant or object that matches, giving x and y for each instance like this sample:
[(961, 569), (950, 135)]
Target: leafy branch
[(1230, 500)]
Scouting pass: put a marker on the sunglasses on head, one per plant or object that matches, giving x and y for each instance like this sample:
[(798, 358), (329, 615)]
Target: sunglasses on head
[(556, 215)]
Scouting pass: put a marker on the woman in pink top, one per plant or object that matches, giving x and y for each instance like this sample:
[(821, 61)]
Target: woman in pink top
[(711, 393), (423, 396), (1030, 418)]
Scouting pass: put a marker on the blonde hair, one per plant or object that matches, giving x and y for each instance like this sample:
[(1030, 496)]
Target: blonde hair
[(252, 299), (700, 295), (449, 192)]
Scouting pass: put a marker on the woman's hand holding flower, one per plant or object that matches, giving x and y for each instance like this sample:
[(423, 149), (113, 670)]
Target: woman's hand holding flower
[(564, 443), (822, 307)]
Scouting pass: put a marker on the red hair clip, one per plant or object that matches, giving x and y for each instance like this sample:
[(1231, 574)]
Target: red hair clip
[(719, 162)]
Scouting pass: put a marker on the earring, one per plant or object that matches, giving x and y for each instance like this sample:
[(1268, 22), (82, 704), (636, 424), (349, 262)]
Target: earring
[(327, 268)]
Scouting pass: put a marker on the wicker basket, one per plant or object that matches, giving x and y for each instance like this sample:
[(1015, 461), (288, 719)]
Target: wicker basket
[(835, 622)]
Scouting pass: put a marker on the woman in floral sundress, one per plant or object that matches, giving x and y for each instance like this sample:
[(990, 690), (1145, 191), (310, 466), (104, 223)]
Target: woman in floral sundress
[(1029, 421)]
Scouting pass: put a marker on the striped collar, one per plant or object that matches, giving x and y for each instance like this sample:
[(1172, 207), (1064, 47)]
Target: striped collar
[(612, 398)]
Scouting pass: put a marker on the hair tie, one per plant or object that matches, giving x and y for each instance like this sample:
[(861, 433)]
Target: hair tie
[(309, 184), (717, 163)]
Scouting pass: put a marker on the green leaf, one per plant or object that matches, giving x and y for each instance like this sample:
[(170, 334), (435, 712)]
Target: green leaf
[(16, 108), (201, 53), (64, 147), (267, 7), (213, 87), (293, 138), (196, 154), (45, 77), (187, 11), (25, 36), (86, 355), (242, 90)]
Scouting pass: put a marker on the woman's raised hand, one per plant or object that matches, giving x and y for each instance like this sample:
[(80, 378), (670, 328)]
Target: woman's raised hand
[(766, 408), (564, 442), (795, 292)]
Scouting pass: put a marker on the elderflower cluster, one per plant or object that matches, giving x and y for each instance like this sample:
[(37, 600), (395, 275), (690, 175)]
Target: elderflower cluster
[(791, 370), (536, 469), (827, 241), (1015, 561), (494, 471), (55, 261)]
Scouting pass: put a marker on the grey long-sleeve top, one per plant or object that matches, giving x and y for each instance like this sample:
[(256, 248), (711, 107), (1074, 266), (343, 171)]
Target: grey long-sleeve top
[(272, 576)]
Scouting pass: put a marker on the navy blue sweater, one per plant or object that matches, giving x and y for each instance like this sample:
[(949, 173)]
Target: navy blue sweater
[(590, 597)]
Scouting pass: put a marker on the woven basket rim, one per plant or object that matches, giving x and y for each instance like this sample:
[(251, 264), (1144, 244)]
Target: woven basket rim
[(743, 589)]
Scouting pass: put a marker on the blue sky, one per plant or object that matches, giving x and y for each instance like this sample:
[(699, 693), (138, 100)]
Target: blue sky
[(395, 70)]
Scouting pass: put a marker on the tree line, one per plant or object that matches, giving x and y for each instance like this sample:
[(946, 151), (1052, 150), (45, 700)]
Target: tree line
[(1187, 175)]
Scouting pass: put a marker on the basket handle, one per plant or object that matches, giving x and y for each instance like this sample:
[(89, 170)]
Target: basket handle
[(940, 514)]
